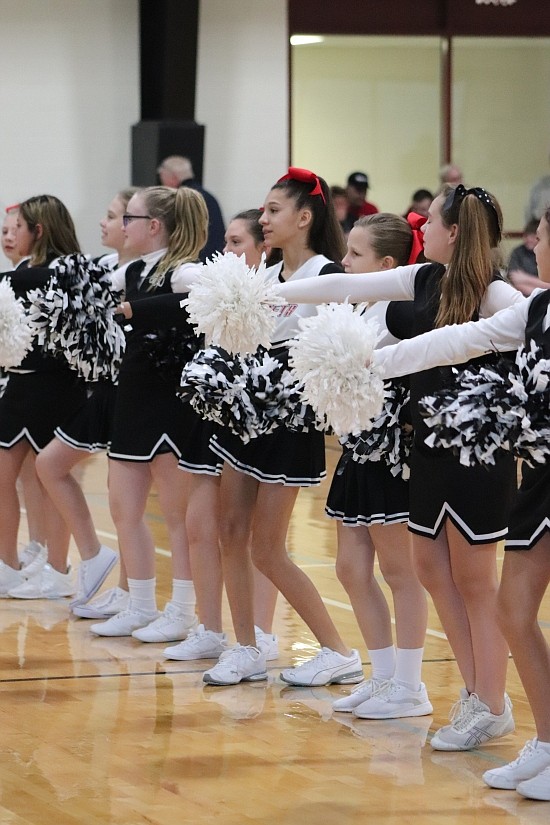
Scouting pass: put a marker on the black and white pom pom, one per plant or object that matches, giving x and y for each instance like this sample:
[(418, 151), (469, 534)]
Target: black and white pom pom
[(390, 438), (16, 335), (230, 304), (74, 317), (330, 357), (493, 410), (170, 350)]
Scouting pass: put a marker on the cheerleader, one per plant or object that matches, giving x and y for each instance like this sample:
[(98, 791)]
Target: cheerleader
[(85, 433), (457, 514), (526, 568), (40, 393), (261, 479), (370, 504), (151, 428)]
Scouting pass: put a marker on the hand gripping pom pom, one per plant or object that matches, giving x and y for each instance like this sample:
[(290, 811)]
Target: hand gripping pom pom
[(74, 318), (15, 333), (493, 410), (330, 357), (230, 304)]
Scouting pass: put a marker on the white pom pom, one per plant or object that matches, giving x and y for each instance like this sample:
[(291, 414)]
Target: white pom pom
[(15, 333), (330, 358), (230, 304)]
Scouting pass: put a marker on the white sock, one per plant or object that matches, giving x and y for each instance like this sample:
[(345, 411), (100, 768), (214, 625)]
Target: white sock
[(408, 667), (183, 596), (142, 594), (383, 662)]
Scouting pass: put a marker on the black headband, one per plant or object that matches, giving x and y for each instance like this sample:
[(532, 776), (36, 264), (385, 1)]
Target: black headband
[(455, 198)]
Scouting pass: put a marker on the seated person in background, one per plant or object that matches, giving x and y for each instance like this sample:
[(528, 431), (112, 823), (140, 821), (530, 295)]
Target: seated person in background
[(420, 202), (356, 191), (522, 267)]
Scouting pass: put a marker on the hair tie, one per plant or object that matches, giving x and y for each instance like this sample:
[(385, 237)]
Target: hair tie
[(416, 222), (455, 198), (305, 176)]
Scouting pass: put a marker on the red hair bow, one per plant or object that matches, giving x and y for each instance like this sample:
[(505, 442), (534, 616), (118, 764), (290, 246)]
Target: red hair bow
[(416, 222), (304, 176)]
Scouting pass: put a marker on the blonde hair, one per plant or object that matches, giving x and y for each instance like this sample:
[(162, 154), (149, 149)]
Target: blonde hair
[(58, 235), (475, 256), (184, 216), (389, 235)]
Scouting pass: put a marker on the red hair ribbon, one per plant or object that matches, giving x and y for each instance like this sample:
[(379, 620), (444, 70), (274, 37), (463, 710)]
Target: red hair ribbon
[(304, 176), (416, 222), (12, 207)]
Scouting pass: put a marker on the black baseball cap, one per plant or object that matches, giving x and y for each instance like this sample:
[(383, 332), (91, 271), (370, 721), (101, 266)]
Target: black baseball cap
[(358, 179)]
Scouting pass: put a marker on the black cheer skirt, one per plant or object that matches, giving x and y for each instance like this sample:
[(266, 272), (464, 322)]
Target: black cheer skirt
[(90, 427), (478, 500), (296, 459), (149, 420), (530, 517), (35, 403), (367, 493)]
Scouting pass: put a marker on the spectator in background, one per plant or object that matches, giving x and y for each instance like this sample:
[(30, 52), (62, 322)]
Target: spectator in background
[(539, 198), (420, 202), (175, 171), (356, 191), (450, 173), (522, 267), (341, 207)]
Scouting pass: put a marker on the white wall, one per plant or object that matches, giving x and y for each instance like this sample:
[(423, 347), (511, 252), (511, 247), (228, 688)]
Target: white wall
[(69, 95), (242, 98)]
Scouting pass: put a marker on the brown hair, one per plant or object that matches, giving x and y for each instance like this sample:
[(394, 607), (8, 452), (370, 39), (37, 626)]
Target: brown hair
[(390, 235), (475, 256), (58, 235)]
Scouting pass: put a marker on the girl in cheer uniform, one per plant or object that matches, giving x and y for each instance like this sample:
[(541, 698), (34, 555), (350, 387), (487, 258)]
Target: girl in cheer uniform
[(457, 514)]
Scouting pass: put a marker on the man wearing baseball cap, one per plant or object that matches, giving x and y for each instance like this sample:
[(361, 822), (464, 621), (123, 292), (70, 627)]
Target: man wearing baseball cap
[(356, 190)]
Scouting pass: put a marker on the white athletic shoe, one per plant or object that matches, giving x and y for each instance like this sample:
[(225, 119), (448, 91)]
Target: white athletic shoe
[(30, 552), (475, 726), (359, 694), (531, 761), (92, 573), (124, 623), (238, 664), (200, 644), (11, 578), (536, 788), (327, 668), (107, 604), (171, 626), (393, 700), (46, 583), (267, 643)]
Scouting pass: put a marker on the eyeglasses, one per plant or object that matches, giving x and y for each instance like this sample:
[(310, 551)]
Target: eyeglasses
[(126, 219)]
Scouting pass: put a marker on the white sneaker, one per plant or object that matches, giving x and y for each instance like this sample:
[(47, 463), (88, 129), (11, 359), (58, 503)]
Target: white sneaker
[(359, 694), (476, 726), (536, 788), (124, 623), (267, 643), (107, 604), (92, 573), (327, 668), (393, 700), (238, 664), (9, 578), (170, 626), (531, 761), (200, 644), (47, 583), (30, 552)]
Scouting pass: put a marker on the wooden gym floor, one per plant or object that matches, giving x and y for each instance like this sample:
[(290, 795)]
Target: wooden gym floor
[(98, 730)]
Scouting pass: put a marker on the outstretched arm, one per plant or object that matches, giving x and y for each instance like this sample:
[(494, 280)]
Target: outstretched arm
[(456, 343), (390, 285)]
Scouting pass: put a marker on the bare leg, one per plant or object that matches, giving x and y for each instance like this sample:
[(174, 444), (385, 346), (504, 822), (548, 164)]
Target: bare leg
[(172, 485), (525, 577), (10, 466), (129, 485), (265, 601), (202, 523), (274, 507), (393, 543), (32, 497)]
